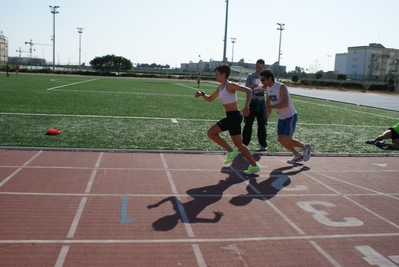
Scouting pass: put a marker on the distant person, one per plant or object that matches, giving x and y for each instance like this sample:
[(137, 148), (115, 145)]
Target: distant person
[(391, 133), (257, 108), (199, 79), (279, 98), (7, 69), (226, 92), (17, 69)]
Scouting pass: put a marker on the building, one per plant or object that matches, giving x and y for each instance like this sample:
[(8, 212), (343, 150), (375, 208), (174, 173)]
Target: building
[(203, 66), (3, 49), (372, 62)]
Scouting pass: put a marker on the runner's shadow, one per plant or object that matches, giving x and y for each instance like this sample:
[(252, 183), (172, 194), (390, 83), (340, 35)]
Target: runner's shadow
[(189, 211), (267, 189)]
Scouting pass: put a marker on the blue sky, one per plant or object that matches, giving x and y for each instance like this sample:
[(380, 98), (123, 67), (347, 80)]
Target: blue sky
[(176, 31)]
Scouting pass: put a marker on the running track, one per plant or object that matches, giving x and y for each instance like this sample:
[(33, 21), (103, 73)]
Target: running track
[(158, 208)]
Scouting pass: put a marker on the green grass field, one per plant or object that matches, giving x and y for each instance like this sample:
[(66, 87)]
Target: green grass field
[(155, 114)]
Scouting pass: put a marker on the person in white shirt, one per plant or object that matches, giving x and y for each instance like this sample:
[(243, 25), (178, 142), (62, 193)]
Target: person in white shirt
[(226, 92), (279, 98)]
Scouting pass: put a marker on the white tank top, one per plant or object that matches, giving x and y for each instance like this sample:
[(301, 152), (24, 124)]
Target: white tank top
[(226, 97), (273, 93)]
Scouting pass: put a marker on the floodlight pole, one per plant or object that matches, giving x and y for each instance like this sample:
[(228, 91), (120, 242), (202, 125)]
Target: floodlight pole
[(80, 31), (225, 31), (233, 41), (53, 10), (280, 28)]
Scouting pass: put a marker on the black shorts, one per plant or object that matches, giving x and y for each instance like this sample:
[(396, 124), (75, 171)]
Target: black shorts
[(395, 135), (232, 122)]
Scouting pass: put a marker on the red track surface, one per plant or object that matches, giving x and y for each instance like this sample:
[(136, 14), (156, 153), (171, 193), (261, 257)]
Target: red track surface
[(169, 209)]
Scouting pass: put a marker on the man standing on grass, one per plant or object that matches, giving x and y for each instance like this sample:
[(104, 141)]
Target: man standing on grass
[(279, 98), (257, 108)]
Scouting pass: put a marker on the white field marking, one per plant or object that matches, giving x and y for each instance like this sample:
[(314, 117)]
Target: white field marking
[(266, 200), (236, 251), (174, 121), (348, 183), (183, 213), (345, 109), (196, 240), (70, 84), (123, 92), (198, 256), (100, 116), (374, 258), (159, 195), (19, 169), (76, 220), (62, 256), (159, 118), (349, 199), (94, 173), (325, 254), (194, 88)]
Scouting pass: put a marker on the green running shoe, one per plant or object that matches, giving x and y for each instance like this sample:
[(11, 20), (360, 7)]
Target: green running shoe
[(252, 170), (231, 156)]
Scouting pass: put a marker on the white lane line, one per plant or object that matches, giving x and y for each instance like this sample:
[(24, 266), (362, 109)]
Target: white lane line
[(196, 240), (94, 173), (180, 206), (325, 254), (62, 256), (268, 202), (70, 84), (174, 121), (76, 220), (19, 169), (198, 256)]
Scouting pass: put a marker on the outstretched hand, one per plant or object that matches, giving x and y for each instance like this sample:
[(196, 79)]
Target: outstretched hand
[(218, 215), (152, 206)]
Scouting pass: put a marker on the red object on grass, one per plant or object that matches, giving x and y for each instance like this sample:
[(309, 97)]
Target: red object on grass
[(53, 132)]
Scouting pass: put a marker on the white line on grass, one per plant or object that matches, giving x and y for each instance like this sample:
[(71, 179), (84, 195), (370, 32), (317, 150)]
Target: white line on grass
[(65, 85), (345, 109), (159, 118)]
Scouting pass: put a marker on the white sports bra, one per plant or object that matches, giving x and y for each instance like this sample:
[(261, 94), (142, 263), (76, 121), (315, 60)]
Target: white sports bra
[(226, 97)]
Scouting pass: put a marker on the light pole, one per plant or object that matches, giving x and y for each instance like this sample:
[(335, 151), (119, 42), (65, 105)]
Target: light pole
[(225, 31), (233, 41), (280, 28), (53, 10), (80, 31), (328, 63)]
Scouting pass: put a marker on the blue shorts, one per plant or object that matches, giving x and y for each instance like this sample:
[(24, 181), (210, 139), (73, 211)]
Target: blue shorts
[(232, 122), (287, 126)]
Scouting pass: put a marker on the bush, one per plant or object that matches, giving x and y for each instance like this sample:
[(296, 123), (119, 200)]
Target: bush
[(341, 77), (295, 78), (378, 87)]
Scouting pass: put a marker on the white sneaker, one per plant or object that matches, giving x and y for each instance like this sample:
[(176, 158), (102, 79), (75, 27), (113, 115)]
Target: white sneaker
[(306, 153), (296, 159)]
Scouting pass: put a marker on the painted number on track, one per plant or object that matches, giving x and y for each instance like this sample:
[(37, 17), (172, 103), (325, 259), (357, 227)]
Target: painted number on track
[(321, 215)]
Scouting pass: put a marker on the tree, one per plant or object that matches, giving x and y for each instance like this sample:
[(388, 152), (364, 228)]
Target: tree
[(295, 78), (111, 63), (319, 74)]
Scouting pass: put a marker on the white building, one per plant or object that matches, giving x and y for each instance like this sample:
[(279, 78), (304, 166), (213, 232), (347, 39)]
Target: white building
[(3, 49), (372, 62)]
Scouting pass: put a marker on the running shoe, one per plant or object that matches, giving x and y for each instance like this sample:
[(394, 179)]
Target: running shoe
[(306, 153), (231, 156), (262, 148), (380, 143), (296, 159), (370, 142), (252, 169)]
